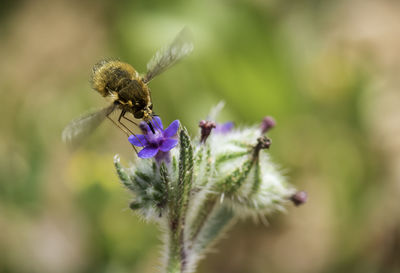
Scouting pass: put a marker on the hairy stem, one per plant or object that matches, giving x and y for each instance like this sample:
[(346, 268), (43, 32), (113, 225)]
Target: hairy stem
[(177, 255), (174, 263)]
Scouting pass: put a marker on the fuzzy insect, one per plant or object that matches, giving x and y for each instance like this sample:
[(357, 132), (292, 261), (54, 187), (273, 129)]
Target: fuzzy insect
[(127, 90)]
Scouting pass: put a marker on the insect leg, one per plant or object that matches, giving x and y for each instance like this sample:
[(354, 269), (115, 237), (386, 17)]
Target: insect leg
[(123, 130), (130, 120), (156, 123), (122, 115), (119, 121)]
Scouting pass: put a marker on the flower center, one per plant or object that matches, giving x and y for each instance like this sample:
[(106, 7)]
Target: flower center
[(155, 139)]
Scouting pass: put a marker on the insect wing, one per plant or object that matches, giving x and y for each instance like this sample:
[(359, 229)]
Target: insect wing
[(78, 129), (168, 56)]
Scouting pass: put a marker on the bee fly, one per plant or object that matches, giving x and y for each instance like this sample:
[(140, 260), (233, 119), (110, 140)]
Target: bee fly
[(127, 89)]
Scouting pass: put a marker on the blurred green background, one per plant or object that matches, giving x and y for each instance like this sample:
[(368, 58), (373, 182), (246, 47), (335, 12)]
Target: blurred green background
[(326, 70)]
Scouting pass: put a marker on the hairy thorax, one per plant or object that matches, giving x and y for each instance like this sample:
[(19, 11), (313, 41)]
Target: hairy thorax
[(121, 82)]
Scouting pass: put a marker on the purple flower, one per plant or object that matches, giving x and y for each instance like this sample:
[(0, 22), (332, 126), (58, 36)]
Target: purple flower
[(157, 144), (224, 127)]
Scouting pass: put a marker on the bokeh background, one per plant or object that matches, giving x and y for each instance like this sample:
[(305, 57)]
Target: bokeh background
[(328, 71)]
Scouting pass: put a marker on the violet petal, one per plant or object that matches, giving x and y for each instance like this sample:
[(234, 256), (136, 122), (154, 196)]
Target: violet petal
[(168, 144), (157, 123), (163, 156), (144, 127), (224, 128), (172, 129), (138, 140), (148, 152)]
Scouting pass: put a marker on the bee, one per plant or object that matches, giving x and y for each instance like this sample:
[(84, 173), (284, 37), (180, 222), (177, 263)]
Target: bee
[(127, 89)]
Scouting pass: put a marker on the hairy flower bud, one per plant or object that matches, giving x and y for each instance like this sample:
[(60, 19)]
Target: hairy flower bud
[(206, 128), (299, 198), (267, 124)]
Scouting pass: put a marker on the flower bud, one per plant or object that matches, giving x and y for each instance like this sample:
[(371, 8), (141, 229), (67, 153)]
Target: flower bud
[(267, 124), (299, 198), (206, 128)]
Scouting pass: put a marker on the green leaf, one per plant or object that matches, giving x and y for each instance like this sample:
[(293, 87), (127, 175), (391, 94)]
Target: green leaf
[(229, 156), (213, 228), (122, 174), (232, 182), (185, 171), (203, 212), (257, 179), (167, 184)]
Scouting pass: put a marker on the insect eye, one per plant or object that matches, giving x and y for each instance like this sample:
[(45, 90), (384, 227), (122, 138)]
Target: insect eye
[(151, 106)]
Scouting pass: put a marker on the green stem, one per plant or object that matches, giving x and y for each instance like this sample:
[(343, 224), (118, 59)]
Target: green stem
[(174, 263), (177, 255), (174, 244)]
